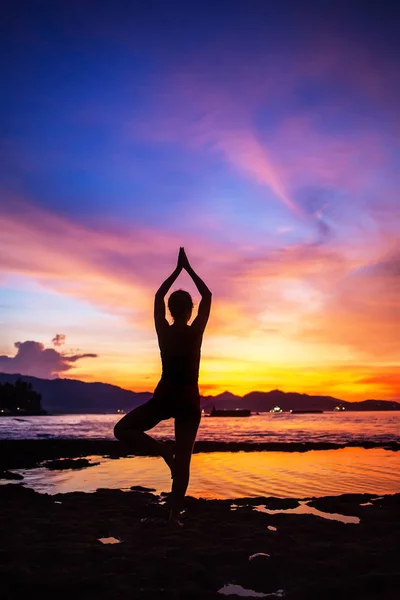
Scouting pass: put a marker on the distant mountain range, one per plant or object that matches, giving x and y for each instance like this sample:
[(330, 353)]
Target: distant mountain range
[(265, 401), (74, 396)]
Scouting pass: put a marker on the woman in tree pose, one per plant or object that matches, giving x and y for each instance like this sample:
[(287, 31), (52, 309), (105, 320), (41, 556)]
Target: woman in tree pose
[(177, 393)]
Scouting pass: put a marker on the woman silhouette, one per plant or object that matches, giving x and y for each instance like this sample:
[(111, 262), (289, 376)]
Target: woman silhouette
[(177, 393)]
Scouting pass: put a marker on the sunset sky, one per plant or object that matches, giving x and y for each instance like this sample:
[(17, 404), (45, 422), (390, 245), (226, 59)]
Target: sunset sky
[(262, 136)]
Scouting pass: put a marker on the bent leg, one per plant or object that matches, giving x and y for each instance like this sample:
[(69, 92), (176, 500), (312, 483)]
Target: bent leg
[(185, 435), (130, 431)]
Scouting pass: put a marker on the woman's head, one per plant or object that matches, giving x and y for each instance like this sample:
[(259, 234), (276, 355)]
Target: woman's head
[(180, 305)]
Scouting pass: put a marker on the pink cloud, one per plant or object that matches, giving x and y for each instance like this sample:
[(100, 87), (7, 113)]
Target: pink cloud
[(209, 120), (310, 292), (58, 339), (307, 156), (212, 103), (245, 152), (118, 269)]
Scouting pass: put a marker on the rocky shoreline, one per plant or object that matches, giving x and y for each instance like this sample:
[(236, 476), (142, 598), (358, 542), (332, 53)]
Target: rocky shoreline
[(52, 548), (23, 454)]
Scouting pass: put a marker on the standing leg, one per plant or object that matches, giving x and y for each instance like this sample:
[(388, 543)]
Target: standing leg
[(130, 431), (185, 435)]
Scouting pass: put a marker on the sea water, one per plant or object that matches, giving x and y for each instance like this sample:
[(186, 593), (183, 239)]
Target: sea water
[(227, 474), (337, 427)]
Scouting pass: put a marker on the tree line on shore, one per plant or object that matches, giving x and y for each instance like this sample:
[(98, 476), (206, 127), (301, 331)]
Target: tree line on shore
[(19, 398)]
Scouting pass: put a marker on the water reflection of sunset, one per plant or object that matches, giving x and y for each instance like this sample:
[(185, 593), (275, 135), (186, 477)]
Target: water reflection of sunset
[(230, 475)]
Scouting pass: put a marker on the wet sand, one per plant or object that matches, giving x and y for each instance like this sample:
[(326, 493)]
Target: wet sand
[(51, 547)]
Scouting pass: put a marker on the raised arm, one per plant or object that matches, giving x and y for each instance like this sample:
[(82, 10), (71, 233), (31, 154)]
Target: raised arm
[(159, 304), (206, 295)]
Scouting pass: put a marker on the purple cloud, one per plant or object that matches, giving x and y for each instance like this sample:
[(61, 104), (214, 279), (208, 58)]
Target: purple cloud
[(32, 358), (58, 339)]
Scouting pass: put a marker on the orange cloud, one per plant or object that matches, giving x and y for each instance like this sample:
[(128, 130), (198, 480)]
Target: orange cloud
[(363, 311), (387, 379)]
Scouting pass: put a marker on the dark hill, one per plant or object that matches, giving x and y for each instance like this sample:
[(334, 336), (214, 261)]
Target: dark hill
[(265, 401), (73, 396)]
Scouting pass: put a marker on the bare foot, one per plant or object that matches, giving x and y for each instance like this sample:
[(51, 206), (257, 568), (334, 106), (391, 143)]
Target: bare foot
[(175, 523)]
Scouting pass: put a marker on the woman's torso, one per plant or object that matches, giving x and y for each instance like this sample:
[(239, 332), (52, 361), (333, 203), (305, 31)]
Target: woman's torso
[(180, 349)]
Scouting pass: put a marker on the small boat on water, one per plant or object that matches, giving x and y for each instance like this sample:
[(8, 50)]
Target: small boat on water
[(235, 412)]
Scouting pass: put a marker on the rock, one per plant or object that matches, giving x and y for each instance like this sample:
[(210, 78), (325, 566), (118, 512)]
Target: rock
[(68, 463), (140, 488)]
